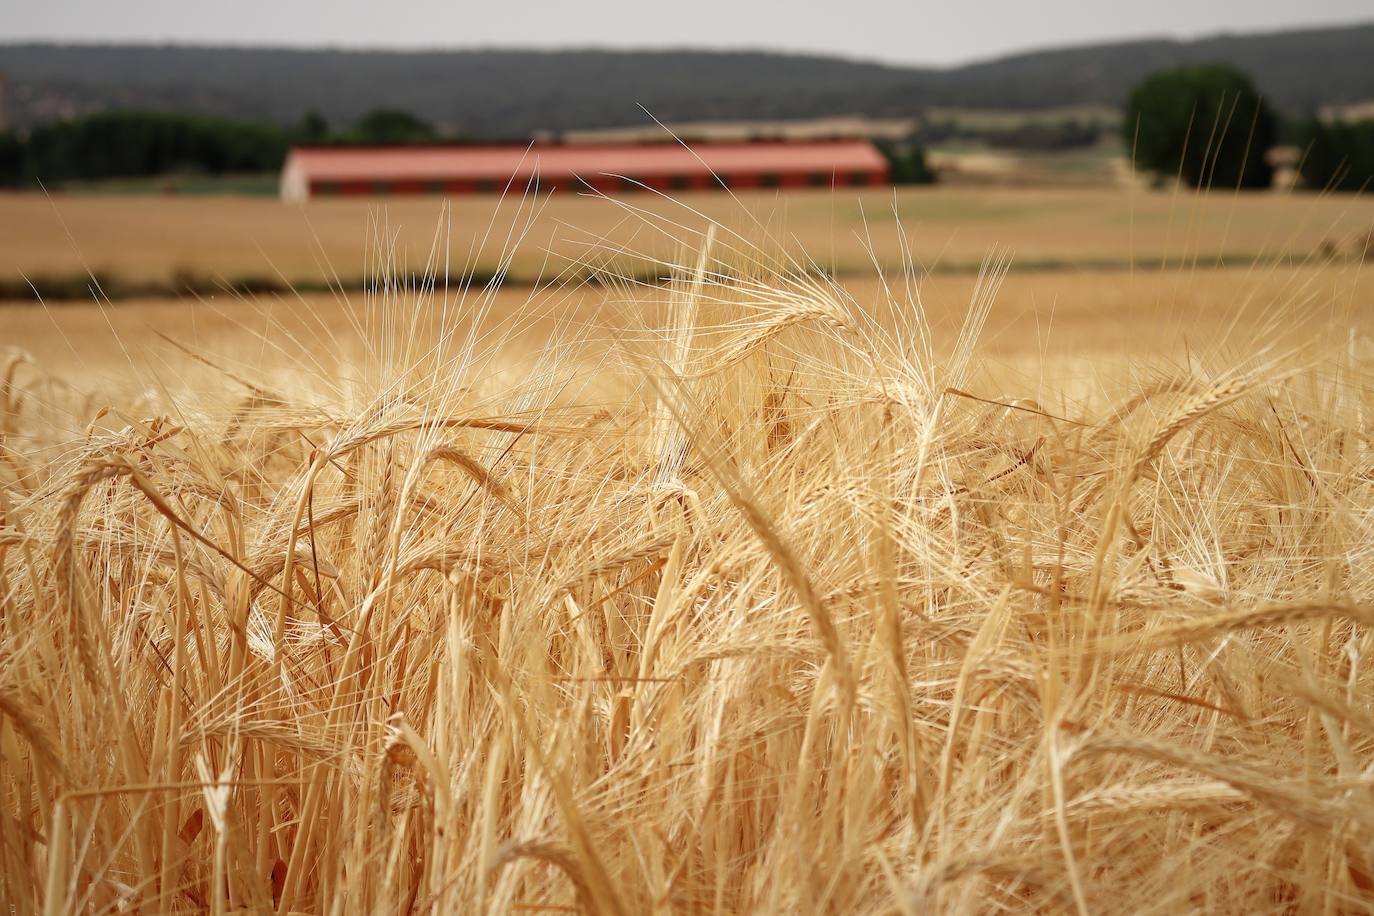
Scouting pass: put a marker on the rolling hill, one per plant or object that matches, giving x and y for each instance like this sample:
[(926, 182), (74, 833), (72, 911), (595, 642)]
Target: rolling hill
[(512, 92)]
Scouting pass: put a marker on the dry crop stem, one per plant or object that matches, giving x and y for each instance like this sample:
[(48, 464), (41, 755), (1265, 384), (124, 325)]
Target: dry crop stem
[(782, 617)]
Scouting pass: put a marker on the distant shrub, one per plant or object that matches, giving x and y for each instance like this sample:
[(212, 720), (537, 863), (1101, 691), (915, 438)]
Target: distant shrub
[(906, 162), (1205, 124), (1337, 156)]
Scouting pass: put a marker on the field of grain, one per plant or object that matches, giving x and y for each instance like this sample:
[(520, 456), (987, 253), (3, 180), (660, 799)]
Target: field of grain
[(746, 591)]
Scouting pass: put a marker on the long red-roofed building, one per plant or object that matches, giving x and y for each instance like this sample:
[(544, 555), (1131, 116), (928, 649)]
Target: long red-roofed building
[(313, 171)]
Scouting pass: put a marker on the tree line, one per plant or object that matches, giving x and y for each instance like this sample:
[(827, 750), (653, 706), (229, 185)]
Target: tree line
[(132, 144)]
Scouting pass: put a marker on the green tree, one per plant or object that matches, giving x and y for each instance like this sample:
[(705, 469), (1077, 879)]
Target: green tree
[(313, 128), (1337, 156), (389, 125), (1205, 124), (11, 160), (906, 162)]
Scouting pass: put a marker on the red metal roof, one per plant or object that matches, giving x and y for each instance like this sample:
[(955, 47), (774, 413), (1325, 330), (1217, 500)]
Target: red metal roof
[(419, 163)]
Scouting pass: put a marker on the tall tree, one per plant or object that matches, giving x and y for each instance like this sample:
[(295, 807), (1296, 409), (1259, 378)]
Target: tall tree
[(1337, 155), (1207, 125)]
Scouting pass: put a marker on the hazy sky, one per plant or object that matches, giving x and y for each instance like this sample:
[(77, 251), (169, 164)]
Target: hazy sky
[(901, 31)]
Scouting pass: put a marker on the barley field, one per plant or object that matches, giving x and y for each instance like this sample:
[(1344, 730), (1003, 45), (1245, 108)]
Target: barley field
[(751, 590)]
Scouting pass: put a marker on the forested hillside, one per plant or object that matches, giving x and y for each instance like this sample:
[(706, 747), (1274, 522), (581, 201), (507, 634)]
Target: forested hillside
[(512, 92)]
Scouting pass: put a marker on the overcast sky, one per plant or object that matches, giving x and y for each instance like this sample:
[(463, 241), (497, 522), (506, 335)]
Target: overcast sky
[(900, 31)]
